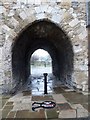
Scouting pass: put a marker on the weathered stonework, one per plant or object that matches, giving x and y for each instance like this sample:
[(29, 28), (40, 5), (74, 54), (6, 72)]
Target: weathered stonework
[(67, 15)]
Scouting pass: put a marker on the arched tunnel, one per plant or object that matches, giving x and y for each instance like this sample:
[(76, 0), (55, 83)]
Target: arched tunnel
[(46, 35)]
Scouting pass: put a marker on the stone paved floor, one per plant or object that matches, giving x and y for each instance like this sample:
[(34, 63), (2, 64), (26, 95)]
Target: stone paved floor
[(20, 106), (69, 104)]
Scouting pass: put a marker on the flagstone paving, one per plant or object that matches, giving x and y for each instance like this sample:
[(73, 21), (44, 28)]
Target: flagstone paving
[(20, 106), (69, 103)]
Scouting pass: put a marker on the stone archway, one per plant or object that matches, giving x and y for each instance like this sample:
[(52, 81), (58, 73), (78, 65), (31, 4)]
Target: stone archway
[(71, 18), (46, 35)]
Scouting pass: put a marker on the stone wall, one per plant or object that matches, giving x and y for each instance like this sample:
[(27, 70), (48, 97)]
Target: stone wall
[(88, 57), (15, 16)]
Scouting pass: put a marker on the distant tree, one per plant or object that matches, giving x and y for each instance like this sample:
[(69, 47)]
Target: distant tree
[(34, 59)]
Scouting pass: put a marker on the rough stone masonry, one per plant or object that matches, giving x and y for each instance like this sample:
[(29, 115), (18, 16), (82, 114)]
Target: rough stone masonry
[(69, 15)]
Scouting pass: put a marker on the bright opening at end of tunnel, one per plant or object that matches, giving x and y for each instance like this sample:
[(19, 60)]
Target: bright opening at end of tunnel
[(41, 62)]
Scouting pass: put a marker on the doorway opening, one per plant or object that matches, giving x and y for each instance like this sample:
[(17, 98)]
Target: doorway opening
[(41, 62)]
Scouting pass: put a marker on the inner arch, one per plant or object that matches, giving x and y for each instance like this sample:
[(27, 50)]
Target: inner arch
[(41, 62)]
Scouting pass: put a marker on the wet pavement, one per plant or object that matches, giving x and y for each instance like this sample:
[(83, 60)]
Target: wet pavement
[(35, 84), (69, 103)]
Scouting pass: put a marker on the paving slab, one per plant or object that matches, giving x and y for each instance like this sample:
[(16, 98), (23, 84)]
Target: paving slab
[(26, 100), (18, 95), (51, 113), (59, 98), (22, 114), (42, 98), (67, 114), (0, 114), (26, 93), (81, 111), (37, 98), (9, 103), (3, 103), (7, 107), (5, 112), (22, 106), (75, 106), (11, 114), (42, 113), (4, 99), (64, 106), (74, 97), (28, 114), (21, 99), (15, 99), (58, 90)]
